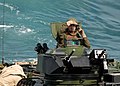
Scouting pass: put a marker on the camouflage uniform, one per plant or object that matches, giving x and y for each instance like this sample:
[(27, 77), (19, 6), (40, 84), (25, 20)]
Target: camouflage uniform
[(64, 36)]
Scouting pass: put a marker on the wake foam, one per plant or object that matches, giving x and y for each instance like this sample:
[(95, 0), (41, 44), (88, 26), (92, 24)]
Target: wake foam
[(6, 26), (12, 8)]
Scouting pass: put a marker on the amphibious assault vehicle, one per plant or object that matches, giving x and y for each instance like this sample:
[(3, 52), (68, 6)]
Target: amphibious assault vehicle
[(75, 65)]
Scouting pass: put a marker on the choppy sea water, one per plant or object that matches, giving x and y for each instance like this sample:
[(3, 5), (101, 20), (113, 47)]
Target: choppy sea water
[(27, 22)]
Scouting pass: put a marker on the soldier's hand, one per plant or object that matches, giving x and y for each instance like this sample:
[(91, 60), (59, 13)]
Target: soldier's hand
[(81, 31)]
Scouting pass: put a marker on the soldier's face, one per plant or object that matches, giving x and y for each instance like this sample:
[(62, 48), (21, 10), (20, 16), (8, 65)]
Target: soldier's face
[(72, 28)]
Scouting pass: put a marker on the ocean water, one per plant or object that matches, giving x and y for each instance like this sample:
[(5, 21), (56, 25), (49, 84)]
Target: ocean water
[(27, 22)]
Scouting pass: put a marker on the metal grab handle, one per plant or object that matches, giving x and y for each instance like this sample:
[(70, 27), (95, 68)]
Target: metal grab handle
[(67, 58)]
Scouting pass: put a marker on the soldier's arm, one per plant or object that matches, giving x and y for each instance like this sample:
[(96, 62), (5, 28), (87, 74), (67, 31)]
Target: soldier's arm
[(85, 40)]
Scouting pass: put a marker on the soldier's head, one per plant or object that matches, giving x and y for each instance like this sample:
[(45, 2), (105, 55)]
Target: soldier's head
[(72, 23)]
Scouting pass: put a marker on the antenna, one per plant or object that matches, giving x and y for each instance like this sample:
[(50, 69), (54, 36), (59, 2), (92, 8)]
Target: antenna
[(3, 23)]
